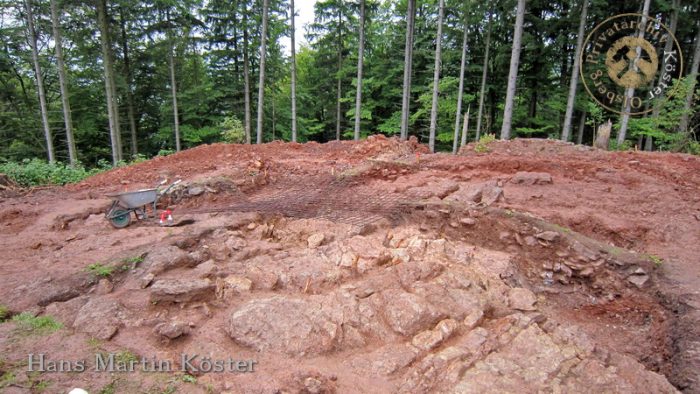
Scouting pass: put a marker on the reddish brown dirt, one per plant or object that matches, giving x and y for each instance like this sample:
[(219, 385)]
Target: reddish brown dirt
[(644, 202)]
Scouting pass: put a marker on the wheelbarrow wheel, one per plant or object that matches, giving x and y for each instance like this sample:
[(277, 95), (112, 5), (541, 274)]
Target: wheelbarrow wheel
[(120, 218)]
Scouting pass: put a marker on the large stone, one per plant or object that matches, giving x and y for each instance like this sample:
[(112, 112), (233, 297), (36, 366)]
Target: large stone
[(295, 327), (167, 258), (408, 313), (522, 299), (181, 290), (387, 359), (100, 317), (232, 285), (172, 329), (316, 240), (531, 178)]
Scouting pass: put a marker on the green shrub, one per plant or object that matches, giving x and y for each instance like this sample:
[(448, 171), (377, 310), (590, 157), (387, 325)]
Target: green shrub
[(36, 324), (484, 141), (233, 131), (37, 172), (98, 269)]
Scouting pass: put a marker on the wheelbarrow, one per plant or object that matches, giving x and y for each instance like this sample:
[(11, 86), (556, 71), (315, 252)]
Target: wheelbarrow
[(138, 201)]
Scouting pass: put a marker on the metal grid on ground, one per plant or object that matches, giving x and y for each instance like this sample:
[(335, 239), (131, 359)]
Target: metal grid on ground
[(329, 199)]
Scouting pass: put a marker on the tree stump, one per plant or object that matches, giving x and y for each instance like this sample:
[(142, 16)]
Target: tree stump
[(603, 135)]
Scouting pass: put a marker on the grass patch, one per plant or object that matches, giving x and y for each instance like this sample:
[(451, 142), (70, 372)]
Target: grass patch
[(658, 261), (38, 325), (4, 313), (100, 270), (132, 262), (187, 378), (482, 146), (125, 357), (7, 379), (108, 389)]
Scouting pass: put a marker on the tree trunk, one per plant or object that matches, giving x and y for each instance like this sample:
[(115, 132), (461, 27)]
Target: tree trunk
[(63, 82), (39, 81), (483, 77), (513, 73), (460, 92), (261, 81), (246, 78), (693, 75), (129, 82), (465, 126), (360, 58), (629, 92), (294, 74), (573, 83), (408, 62), (649, 142), (581, 127), (112, 113), (339, 88), (173, 89), (436, 78)]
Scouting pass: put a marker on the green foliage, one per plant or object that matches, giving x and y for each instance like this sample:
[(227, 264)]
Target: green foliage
[(38, 325), (125, 357), (109, 388), (132, 262), (658, 261), (7, 379), (37, 172), (187, 378), (4, 313), (482, 146), (100, 270), (165, 152), (233, 131)]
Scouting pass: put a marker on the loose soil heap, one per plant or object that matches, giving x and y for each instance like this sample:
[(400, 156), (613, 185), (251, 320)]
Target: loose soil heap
[(365, 267)]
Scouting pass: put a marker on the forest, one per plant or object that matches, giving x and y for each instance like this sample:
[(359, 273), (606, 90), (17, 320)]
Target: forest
[(98, 83)]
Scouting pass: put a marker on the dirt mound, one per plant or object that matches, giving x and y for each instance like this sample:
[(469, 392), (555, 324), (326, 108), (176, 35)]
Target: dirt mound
[(371, 266)]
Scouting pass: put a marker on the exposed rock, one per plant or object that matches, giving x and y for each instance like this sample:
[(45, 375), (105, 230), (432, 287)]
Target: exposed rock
[(56, 292), (531, 178), (638, 280), (195, 190), (146, 280), (232, 284), (548, 236), (292, 326), (490, 194), (167, 258), (207, 269), (408, 313), (65, 312), (100, 317), (172, 329), (467, 221), (521, 299), (388, 359), (473, 319), (235, 243), (104, 286), (181, 290), (316, 240), (427, 340)]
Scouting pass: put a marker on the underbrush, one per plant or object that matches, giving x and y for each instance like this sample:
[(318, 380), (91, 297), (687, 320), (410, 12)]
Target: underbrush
[(37, 172)]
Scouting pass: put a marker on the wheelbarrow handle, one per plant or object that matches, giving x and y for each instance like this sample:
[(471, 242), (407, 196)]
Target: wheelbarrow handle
[(170, 187)]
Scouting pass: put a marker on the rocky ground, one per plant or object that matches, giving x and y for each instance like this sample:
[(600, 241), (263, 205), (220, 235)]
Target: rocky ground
[(536, 266)]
